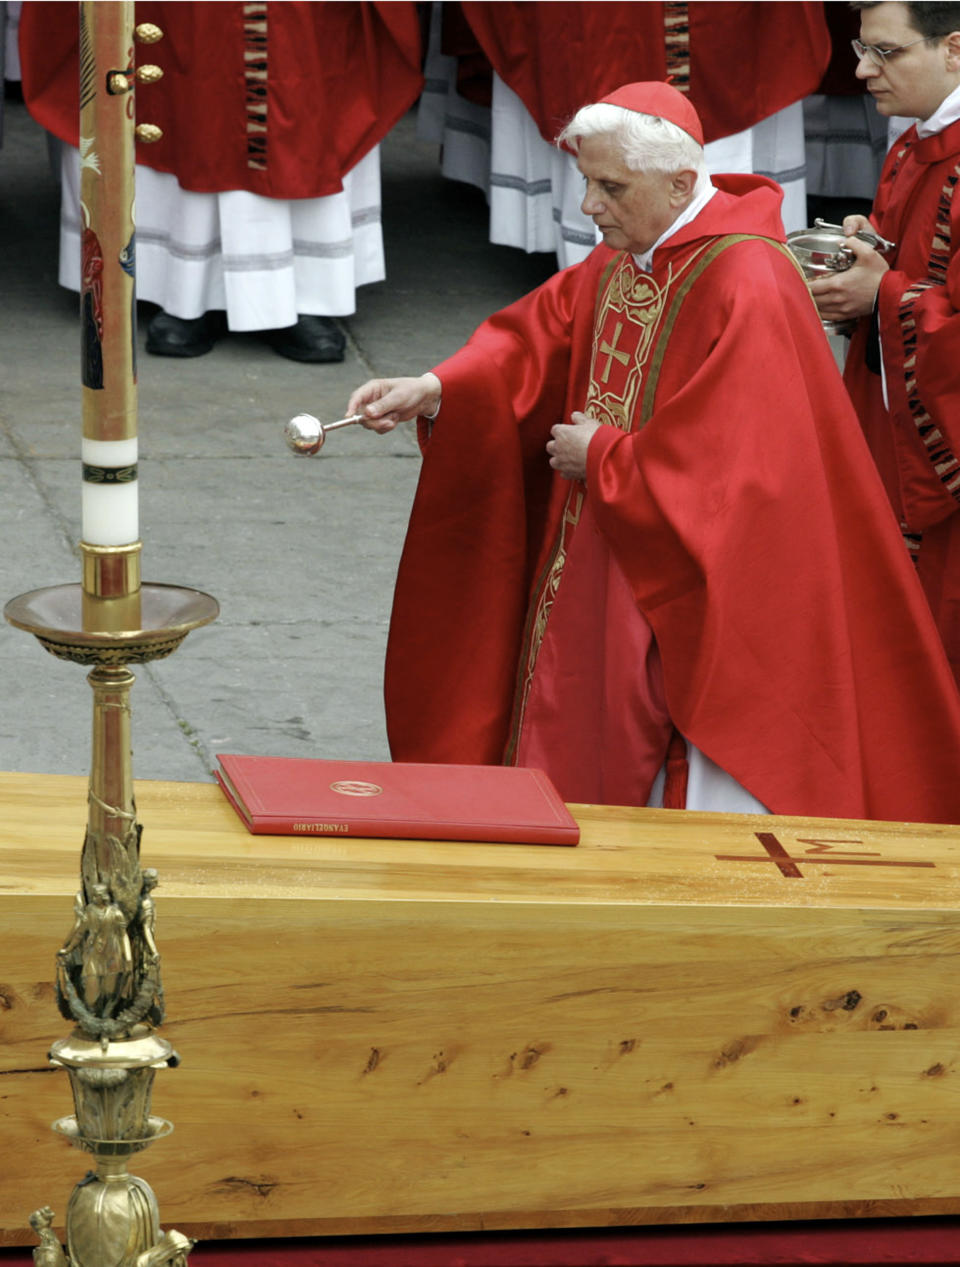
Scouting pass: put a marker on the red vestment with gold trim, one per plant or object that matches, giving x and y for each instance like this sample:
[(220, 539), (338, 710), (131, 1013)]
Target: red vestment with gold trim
[(915, 438), (732, 490), (278, 99)]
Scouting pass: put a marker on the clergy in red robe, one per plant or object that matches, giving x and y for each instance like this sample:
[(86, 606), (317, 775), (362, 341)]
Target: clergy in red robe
[(261, 198), (903, 368), (739, 62), (280, 100), (646, 511)]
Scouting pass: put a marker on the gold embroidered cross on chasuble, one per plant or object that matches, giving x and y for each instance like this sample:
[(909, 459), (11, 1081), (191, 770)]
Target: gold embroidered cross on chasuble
[(629, 310)]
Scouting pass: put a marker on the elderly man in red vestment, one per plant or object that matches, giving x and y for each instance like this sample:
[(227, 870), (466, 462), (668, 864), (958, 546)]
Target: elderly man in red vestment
[(649, 552), (903, 368)]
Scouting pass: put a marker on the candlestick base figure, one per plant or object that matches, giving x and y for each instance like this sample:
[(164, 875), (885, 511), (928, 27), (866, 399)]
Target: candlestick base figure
[(49, 1253)]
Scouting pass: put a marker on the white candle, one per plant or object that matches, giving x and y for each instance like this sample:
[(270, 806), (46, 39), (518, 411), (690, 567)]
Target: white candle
[(109, 500)]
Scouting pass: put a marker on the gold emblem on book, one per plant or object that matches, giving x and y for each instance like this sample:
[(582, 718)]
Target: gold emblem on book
[(355, 787)]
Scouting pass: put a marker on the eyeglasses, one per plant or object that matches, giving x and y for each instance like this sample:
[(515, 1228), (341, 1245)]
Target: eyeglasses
[(880, 56)]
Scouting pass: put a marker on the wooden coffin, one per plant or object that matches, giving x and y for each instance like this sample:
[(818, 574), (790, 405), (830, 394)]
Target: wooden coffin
[(688, 1017)]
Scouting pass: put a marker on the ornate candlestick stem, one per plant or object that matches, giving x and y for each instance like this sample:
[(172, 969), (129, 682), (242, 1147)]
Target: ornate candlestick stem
[(112, 811)]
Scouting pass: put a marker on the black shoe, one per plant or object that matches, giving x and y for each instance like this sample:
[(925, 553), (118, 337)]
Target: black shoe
[(311, 339), (175, 336)]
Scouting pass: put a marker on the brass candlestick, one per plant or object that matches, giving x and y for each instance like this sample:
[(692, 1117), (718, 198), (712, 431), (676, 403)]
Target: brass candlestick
[(108, 968)]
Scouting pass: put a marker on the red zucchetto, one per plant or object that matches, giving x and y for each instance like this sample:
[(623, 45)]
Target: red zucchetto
[(660, 99)]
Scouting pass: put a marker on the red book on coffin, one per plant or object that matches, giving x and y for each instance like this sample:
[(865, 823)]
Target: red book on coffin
[(304, 796)]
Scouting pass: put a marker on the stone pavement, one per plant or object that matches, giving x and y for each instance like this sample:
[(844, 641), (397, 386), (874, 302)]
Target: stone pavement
[(300, 553)]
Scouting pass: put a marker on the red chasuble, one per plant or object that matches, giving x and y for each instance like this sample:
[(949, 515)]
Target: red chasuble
[(731, 488), (278, 99), (739, 62), (916, 440)]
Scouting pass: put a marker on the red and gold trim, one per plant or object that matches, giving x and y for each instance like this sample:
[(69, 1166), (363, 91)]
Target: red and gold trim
[(255, 76), (676, 39), (941, 456)]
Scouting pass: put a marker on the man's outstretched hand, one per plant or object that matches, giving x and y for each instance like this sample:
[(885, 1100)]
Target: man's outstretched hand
[(386, 401)]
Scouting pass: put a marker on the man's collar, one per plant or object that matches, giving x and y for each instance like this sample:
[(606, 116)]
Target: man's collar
[(947, 112), (645, 261)]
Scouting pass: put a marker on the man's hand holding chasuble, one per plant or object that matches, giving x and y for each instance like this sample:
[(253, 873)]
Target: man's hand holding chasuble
[(568, 447), (649, 552)]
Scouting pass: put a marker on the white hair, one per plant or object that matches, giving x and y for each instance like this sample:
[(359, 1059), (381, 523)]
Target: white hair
[(648, 142)]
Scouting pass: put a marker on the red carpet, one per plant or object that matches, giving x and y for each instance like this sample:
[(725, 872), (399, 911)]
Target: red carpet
[(888, 1241)]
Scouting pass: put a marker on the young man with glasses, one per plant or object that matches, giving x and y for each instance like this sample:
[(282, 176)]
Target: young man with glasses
[(903, 367)]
